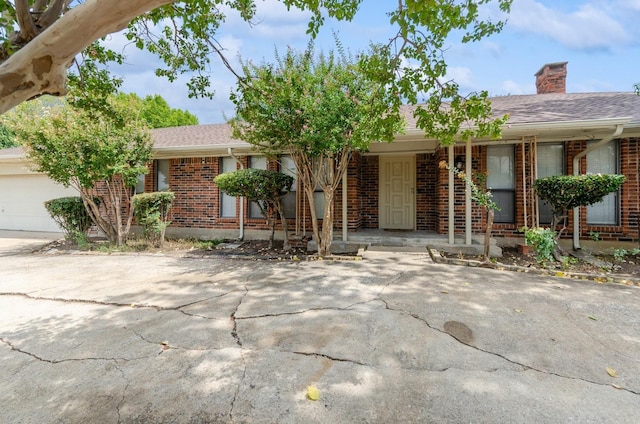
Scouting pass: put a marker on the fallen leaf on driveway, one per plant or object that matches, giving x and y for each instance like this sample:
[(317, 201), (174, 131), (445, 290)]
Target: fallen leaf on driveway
[(593, 318), (612, 372), (444, 292), (313, 393), (517, 311)]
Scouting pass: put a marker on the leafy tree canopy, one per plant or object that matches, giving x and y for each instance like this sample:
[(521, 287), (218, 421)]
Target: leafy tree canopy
[(80, 147), (40, 38), (157, 113)]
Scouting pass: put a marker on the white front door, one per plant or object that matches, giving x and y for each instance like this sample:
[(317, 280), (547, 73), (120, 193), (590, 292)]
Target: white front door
[(397, 192)]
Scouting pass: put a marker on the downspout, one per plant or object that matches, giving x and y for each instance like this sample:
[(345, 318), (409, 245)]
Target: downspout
[(241, 235), (576, 171)]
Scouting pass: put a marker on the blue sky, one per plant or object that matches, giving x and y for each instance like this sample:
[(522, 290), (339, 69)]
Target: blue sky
[(599, 38)]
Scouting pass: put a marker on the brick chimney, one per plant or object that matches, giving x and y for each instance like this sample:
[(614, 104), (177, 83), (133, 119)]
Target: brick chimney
[(552, 78)]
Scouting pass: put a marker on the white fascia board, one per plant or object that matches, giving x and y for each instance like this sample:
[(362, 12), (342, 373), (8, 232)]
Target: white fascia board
[(211, 150)]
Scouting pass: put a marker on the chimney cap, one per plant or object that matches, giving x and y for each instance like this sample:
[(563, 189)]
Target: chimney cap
[(550, 65)]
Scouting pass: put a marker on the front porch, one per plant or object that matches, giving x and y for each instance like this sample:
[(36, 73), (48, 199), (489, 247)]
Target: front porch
[(420, 240)]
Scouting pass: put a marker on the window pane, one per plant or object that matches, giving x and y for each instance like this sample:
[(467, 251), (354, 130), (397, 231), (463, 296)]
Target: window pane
[(256, 162), (603, 160), (288, 166), (162, 183), (501, 181), (140, 184), (501, 167), (550, 162), (228, 203), (505, 199)]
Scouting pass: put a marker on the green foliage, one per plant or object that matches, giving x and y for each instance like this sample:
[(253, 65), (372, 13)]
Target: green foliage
[(7, 137), (257, 185), (319, 109), (152, 212), (157, 113), (543, 241), (619, 254), (81, 147), (564, 192), (319, 105), (71, 216)]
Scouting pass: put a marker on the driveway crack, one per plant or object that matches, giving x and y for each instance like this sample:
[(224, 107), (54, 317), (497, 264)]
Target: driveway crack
[(58, 361), (332, 358), (240, 383), (525, 367), (234, 329)]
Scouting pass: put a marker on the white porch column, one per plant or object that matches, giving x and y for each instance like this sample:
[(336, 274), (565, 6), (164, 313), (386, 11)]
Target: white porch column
[(451, 222), (467, 194), (345, 214)]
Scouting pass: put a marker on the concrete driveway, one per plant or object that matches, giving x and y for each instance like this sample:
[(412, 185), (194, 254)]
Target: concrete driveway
[(18, 242), (391, 338)]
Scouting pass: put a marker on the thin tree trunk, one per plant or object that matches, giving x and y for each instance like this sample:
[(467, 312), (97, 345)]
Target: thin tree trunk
[(487, 234)]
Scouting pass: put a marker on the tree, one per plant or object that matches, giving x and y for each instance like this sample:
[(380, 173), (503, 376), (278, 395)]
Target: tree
[(481, 196), (7, 137), (92, 152), (565, 192), (42, 38), (266, 188), (320, 110), (157, 113)]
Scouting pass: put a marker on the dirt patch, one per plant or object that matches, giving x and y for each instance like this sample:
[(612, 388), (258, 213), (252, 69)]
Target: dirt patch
[(623, 266), (259, 249)]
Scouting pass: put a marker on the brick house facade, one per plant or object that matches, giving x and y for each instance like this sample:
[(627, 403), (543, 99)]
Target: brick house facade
[(569, 122)]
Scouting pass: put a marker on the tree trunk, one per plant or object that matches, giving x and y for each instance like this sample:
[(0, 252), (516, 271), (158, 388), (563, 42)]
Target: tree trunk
[(41, 66), (324, 247), (487, 234), (285, 229)]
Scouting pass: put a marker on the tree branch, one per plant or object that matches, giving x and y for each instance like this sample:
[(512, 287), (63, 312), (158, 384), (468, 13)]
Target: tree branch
[(28, 29), (40, 67)]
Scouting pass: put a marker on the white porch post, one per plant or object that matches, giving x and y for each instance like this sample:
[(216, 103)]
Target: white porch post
[(467, 194), (451, 222), (344, 207)]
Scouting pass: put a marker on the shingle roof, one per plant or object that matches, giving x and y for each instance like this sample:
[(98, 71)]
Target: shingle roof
[(522, 109), (558, 107), (194, 135)]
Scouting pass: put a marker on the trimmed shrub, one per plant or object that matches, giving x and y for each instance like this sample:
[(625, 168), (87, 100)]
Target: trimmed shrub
[(564, 192), (152, 212), (71, 216)]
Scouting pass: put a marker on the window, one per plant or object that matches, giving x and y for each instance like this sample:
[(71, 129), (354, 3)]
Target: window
[(288, 166), (550, 162), (162, 175), (227, 203), (502, 182), (604, 160), (256, 162), (140, 184)]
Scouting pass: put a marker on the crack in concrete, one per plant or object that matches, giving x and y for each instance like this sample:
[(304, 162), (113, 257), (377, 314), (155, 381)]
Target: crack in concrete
[(331, 358), (511, 361), (59, 361), (234, 329), (124, 391), (237, 392), (120, 304)]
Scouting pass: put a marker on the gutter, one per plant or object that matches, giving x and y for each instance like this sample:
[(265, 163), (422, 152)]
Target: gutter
[(576, 171), (241, 235)]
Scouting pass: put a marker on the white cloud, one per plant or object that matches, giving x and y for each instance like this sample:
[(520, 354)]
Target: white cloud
[(462, 76), (587, 28), (510, 87)]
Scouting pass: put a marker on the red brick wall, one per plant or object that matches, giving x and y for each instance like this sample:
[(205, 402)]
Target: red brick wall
[(369, 191), (197, 198)]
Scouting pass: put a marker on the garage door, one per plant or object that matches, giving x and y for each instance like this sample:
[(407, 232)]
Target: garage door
[(22, 200)]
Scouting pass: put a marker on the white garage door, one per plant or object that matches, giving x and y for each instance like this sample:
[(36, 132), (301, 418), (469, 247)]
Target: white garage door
[(22, 200)]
